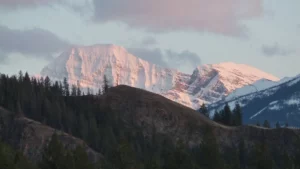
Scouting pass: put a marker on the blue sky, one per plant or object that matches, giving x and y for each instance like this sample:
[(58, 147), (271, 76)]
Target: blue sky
[(172, 33)]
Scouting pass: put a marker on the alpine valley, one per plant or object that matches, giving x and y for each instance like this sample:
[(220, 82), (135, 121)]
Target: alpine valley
[(207, 83)]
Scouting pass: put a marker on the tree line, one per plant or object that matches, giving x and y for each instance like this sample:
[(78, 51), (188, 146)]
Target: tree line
[(85, 116), (225, 116)]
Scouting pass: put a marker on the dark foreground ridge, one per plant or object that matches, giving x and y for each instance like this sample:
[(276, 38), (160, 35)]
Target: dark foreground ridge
[(133, 128)]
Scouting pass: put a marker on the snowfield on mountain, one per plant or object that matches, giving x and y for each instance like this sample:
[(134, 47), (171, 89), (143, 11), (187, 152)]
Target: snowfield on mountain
[(207, 83)]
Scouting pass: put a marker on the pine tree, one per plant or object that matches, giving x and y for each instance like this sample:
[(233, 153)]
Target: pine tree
[(78, 89), (66, 87), (99, 92), (209, 156), (242, 154), (286, 124), (74, 90), (257, 123), (124, 157), (203, 110), (47, 83), (21, 76), (217, 117), (278, 125), (88, 91), (227, 116), (266, 124), (81, 160), (53, 155), (105, 84), (263, 158), (237, 115)]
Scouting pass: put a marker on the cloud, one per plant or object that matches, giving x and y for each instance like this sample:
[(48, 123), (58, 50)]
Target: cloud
[(275, 50), (167, 58), (148, 41), (216, 16), (14, 4), (34, 42), (154, 56)]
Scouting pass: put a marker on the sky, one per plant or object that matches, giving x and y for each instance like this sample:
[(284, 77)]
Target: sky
[(172, 33)]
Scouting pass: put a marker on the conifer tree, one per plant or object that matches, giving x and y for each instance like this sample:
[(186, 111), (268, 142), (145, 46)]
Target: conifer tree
[(105, 84), (209, 157), (217, 117), (242, 154), (81, 160), (74, 90), (203, 110), (277, 125), (66, 87), (286, 124), (237, 115), (257, 123), (78, 88), (266, 124), (53, 155), (227, 116)]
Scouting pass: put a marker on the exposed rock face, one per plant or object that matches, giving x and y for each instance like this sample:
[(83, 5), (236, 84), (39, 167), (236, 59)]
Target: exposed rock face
[(207, 83), (31, 137)]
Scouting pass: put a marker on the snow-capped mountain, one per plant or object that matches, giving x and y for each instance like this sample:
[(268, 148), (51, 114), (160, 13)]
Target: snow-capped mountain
[(207, 83), (265, 100)]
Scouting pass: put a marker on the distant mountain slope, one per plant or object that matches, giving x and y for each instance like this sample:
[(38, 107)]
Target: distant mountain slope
[(208, 83), (278, 102)]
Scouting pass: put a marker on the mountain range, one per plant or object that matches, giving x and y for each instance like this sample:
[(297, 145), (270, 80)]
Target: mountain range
[(266, 100), (206, 84)]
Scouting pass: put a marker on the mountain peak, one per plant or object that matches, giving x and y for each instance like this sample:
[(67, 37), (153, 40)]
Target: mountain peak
[(208, 83), (227, 68), (218, 80)]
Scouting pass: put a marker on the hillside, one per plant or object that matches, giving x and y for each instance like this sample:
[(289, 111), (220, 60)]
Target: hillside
[(275, 102), (31, 137), (134, 127), (207, 83)]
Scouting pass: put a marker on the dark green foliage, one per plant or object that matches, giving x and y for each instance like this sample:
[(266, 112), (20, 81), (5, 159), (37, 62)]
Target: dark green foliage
[(266, 124), (55, 156), (208, 155), (228, 117), (66, 87), (257, 124), (263, 158), (242, 154), (286, 124), (278, 125), (10, 159), (203, 110), (105, 85), (122, 143), (237, 115)]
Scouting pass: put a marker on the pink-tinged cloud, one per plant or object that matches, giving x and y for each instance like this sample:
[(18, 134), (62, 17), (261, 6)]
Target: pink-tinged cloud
[(14, 4), (219, 16)]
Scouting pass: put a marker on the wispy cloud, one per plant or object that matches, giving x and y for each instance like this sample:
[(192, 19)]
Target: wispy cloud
[(275, 50), (217, 16), (168, 58), (15, 4)]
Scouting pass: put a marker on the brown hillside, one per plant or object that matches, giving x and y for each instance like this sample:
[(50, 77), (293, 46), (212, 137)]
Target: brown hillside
[(31, 137)]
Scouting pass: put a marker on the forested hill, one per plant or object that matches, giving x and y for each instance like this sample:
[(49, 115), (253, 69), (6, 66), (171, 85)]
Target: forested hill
[(133, 128)]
